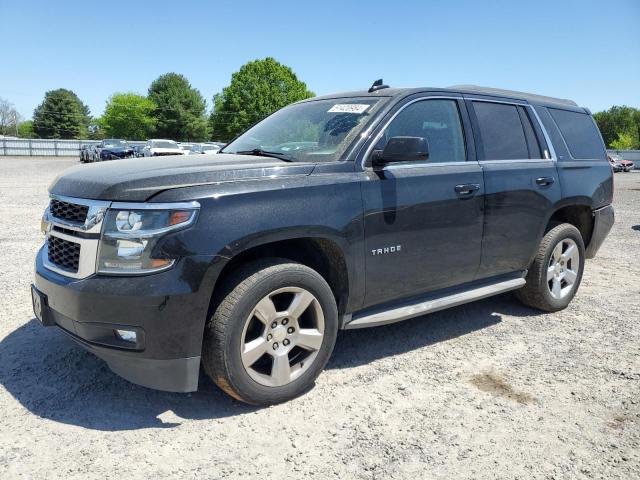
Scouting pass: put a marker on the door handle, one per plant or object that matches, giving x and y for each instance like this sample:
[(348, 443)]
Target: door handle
[(544, 181), (466, 188)]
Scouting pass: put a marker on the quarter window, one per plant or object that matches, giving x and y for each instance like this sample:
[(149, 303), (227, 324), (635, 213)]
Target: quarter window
[(579, 132), (438, 121)]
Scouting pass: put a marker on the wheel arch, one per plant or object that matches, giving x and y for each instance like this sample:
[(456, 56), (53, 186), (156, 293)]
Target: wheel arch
[(579, 214), (322, 254)]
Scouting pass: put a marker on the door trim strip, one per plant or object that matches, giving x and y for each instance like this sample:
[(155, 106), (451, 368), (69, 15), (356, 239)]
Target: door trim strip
[(405, 312)]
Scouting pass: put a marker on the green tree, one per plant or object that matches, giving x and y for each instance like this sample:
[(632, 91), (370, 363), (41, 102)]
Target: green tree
[(128, 116), (619, 120), (61, 115), (257, 90), (625, 141), (25, 129), (179, 109)]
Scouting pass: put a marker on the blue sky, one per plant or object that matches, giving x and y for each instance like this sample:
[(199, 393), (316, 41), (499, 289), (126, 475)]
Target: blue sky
[(586, 50)]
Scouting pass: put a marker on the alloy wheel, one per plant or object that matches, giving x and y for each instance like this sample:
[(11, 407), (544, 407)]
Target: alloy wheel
[(282, 336), (563, 268)]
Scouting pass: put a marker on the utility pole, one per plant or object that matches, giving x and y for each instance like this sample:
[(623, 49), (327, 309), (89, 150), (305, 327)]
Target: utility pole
[(15, 121)]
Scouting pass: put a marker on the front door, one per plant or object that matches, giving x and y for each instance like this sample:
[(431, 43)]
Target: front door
[(423, 219)]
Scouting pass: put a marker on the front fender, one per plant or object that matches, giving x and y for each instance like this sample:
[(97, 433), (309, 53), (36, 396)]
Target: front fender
[(239, 216)]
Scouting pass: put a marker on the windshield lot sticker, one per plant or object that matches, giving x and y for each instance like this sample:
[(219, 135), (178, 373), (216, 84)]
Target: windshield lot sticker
[(349, 108)]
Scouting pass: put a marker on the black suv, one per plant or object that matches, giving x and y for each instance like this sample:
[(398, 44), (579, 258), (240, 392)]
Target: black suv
[(338, 212)]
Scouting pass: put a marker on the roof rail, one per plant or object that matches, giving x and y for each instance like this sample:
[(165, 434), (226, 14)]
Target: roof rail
[(512, 93)]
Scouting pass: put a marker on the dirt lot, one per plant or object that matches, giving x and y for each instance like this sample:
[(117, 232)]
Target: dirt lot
[(486, 390)]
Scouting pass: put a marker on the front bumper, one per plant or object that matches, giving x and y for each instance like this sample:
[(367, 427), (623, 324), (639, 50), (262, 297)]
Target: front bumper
[(603, 220), (115, 155), (168, 310)]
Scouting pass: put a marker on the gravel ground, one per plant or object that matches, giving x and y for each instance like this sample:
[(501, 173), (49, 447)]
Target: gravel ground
[(487, 390)]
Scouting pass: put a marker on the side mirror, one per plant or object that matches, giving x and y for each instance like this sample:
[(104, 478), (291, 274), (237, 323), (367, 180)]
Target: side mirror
[(401, 149)]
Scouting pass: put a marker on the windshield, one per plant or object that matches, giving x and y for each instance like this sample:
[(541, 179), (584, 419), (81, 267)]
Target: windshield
[(316, 131), (112, 142), (164, 144)]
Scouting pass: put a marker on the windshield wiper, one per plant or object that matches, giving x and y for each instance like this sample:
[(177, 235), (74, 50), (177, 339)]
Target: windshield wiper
[(258, 152)]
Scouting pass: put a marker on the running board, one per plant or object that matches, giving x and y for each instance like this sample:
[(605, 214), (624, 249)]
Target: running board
[(405, 312)]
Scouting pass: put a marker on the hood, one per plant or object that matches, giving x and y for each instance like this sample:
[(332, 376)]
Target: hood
[(137, 179)]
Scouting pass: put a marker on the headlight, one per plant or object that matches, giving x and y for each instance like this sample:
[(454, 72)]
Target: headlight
[(130, 234)]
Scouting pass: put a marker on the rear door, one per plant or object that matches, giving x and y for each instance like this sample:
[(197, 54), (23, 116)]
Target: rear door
[(423, 230), (521, 182)]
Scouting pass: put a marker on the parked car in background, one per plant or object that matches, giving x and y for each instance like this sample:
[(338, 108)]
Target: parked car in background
[(615, 165), (138, 151), (85, 153), (113, 149), (619, 164), (186, 147), (159, 147), (202, 148)]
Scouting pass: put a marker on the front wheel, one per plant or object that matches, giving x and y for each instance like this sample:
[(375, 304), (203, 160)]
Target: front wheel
[(555, 274), (272, 332)]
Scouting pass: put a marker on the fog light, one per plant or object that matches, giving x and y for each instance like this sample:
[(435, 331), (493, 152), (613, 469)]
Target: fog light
[(126, 335)]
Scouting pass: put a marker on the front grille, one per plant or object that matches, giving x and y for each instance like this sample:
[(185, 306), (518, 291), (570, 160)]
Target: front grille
[(63, 253), (68, 211)]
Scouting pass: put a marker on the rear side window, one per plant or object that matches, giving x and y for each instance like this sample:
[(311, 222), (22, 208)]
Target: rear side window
[(501, 131), (579, 132)]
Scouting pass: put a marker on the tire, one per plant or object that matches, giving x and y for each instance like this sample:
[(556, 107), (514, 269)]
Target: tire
[(302, 337), (553, 279)]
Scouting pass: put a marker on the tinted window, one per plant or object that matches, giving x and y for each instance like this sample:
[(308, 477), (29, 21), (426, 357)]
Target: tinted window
[(436, 120), (579, 132), (501, 131), (532, 141)]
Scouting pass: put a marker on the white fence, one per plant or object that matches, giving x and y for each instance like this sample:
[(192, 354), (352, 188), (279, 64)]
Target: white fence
[(47, 148)]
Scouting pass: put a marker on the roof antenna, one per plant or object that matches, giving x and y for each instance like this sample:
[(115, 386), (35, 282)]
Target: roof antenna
[(377, 85)]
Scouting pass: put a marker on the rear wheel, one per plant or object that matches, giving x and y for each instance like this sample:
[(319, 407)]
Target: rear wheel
[(272, 333), (555, 274)]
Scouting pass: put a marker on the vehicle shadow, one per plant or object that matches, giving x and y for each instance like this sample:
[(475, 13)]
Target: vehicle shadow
[(56, 379), (358, 347), (636, 228)]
